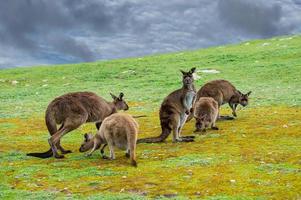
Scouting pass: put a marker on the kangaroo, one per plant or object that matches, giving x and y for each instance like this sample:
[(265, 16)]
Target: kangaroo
[(119, 130), (174, 111), (223, 92), (71, 110), (205, 113)]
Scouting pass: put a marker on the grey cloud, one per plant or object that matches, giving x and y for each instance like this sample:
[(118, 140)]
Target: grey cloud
[(252, 17), (79, 50), (20, 20), (48, 32)]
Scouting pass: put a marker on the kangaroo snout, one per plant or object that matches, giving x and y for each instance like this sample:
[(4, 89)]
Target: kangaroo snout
[(81, 149)]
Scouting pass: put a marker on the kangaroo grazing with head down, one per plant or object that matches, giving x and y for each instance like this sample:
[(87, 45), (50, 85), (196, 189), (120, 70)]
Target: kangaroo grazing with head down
[(174, 111), (119, 130), (71, 110), (223, 92), (205, 113)]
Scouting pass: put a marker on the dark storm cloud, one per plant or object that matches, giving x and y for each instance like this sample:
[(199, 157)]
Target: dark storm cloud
[(45, 32), (252, 17), (20, 20), (36, 27)]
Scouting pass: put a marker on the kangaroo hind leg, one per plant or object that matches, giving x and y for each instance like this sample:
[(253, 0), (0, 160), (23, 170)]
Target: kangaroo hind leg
[(183, 119), (131, 146), (68, 126), (59, 146), (176, 126)]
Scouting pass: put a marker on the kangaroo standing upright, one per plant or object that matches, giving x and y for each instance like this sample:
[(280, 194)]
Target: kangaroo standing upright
[(174, 111), (72, 110), (119, 130), (223, 92)]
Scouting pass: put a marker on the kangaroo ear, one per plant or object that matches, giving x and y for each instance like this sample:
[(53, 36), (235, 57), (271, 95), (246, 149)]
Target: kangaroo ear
[(248, 94), (239, 92), (121, 95), (113, 96), (86, 136), (192, 70), (183, 72)]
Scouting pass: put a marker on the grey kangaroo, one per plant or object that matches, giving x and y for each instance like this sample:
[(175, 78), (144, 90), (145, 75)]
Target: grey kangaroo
[(223, 92), (205, 114), (174, 111), (119, 130), (71, 110)]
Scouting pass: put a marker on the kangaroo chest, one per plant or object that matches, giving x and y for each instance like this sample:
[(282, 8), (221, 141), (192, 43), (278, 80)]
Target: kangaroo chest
[(189, 97)]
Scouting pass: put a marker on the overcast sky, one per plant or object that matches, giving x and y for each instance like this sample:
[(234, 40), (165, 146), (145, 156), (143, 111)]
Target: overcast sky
[(38, 32)]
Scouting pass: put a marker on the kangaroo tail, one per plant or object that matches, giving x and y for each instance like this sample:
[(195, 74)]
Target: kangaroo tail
[(157, 139), (46, 154), (139, 116), (51, 126)]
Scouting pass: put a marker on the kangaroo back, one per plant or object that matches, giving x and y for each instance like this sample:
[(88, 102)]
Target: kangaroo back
[(206, 106), (205, 113), (220, 90), (120, 130)]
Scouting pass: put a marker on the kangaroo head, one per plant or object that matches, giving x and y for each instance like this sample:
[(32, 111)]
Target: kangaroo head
[(119, 102), (205, 119), (244, 98), (187, 78), (88, 142)]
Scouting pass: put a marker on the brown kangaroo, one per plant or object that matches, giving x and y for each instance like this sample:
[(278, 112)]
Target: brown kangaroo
[(174, 111), (119, 130), (223, 92), (72, 110), (205, 113)]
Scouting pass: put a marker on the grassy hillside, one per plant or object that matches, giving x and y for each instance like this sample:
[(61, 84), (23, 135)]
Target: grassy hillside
[(256, 156)]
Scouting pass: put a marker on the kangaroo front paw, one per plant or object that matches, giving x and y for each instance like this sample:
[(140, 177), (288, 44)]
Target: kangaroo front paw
[(214, 128)]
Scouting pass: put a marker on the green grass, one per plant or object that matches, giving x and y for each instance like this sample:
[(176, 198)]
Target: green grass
[(272, 72), (256, 156)]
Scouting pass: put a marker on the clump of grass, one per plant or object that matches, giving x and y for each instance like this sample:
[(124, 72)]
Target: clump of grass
[(282, 168), (192, 160)]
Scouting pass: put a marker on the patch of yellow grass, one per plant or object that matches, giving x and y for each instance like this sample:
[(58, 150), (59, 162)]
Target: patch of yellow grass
[(256, 155)]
